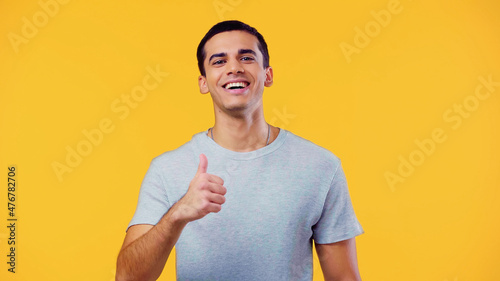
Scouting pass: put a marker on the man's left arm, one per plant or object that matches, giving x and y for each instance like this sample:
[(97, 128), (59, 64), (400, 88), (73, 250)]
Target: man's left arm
[(339, 260)]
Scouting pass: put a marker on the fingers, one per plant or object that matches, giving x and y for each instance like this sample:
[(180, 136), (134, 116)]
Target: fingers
[(205, 194), (216, 198), (217, 188), (214, 208), (215, 179), (205, 184)]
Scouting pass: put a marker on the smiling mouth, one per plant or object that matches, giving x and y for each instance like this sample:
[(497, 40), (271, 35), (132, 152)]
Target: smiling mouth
[(235, 85)]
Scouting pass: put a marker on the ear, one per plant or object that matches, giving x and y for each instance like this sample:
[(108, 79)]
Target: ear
[(202, 83), (269, 77)]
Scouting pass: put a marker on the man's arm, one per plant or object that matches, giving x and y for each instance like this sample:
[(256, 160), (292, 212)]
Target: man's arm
[(146, 248), (339, 260)]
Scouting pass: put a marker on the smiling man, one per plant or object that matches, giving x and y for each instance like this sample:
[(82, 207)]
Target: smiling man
[(243, 200)]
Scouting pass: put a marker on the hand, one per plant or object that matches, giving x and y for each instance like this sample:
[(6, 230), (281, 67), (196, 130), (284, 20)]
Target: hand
[(205, 194)]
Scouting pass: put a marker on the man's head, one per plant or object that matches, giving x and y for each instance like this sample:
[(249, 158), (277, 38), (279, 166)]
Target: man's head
[(234, 66), (231, 25)]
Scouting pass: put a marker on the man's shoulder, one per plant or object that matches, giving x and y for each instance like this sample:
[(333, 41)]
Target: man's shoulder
[(307, 149), (178, 155)]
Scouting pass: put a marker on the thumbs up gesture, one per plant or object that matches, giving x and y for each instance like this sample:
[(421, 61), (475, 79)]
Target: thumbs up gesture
[(205, 194)]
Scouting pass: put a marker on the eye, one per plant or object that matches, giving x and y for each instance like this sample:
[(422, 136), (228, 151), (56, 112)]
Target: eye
[(218, 62), (246, 58)]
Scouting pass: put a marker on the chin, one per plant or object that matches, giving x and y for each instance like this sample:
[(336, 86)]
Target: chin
[(236, 110)]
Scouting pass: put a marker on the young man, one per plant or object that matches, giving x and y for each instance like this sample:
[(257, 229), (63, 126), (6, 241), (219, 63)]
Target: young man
[(243, 200)]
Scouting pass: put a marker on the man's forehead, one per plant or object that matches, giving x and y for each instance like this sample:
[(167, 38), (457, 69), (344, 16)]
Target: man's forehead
[(231, 41)]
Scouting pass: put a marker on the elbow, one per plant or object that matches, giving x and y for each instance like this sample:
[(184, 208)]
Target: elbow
[(352, 278), (347, 277), (126, 275), (121, 275)]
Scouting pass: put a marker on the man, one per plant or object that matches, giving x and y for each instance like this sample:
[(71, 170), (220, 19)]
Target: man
[(243, 200)]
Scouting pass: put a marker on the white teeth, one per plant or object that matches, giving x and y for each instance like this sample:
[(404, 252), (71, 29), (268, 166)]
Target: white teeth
[(236, 84)]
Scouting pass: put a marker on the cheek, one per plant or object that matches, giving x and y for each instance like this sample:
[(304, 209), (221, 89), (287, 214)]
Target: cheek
[(212, 80), (260, 78)]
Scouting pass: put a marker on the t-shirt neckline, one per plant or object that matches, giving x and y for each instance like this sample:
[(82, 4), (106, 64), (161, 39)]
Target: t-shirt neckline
[(205, 142)]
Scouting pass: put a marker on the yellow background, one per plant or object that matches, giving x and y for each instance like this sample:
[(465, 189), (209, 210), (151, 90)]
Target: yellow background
[(441, 223)]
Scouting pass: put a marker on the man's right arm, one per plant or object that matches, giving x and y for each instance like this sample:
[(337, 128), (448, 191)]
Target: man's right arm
[(146, 248)]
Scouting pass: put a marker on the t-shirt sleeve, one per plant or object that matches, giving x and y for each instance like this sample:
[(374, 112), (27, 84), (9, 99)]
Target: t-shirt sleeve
[(153, 202), (338, 221)]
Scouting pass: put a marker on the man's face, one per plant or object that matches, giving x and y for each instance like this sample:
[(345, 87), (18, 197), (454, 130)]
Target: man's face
[(235, 76)]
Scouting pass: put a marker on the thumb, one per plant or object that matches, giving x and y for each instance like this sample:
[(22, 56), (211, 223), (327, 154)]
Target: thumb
[(202, 167)]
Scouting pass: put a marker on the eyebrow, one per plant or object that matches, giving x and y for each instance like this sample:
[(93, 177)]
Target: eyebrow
[(218, 55), (247, 51), (240, 52)]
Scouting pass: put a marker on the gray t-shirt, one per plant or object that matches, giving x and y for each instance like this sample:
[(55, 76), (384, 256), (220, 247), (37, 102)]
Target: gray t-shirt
[(279, 199)]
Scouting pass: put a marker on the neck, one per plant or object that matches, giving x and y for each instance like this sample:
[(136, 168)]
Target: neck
[(242, 133)]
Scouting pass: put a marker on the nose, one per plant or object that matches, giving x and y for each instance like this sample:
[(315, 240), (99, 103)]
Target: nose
[(234, 67)]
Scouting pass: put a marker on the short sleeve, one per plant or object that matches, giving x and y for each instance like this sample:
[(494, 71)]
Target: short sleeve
[(153, 202), (338, 221)]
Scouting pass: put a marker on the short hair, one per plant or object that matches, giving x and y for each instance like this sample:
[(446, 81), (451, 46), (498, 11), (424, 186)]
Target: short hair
[(230, 25)]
